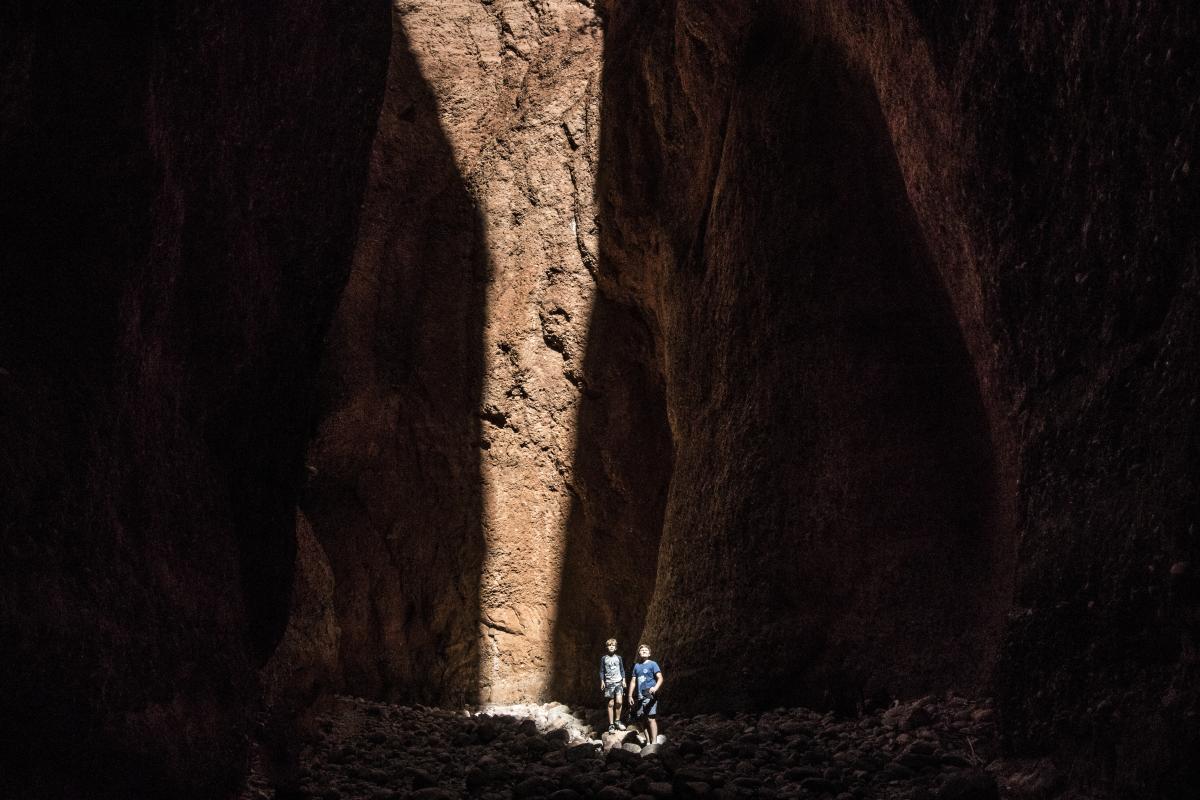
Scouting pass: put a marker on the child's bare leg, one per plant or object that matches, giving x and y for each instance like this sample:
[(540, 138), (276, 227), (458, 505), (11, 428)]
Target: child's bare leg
[(617, 701), (653, 730), (610, 710)]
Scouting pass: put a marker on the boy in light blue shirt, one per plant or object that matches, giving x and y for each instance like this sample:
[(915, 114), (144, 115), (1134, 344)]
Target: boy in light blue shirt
[(612, 682), (646, 681)]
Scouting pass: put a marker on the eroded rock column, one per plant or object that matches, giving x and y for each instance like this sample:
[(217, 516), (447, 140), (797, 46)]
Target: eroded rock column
[(443, 476), (532, 178)]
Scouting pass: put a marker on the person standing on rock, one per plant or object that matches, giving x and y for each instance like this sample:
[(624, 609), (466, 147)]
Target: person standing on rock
[(612, 683), (646, 681)]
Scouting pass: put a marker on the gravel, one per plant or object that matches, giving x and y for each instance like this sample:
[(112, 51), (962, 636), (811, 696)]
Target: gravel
[(931, 748)]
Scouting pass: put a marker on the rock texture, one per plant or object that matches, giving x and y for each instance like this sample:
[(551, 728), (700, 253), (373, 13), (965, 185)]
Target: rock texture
[(843, 351), (836, 525), (178, 205), (443, 469), (875, 377), (935, 747), (303, 673), (949, 260)]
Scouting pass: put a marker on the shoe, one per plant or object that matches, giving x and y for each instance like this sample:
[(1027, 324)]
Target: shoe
[(660, 739), (621, 726), (611, 728)]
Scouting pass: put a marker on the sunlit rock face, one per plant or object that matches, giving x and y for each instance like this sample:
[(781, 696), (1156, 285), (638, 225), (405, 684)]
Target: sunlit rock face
[(926, 308), (181, 184)]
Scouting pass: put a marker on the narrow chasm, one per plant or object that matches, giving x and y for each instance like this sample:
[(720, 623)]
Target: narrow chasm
[(366, 368)]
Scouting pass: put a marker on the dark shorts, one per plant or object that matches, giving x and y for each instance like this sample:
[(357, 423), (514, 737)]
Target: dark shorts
[(614, 690), (646, 706)]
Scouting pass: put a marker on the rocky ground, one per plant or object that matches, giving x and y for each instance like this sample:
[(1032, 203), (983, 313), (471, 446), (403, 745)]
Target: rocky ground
[(930, 748)]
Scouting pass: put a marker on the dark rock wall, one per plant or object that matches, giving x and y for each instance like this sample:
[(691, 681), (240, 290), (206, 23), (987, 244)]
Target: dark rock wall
[(180, 193), (395, 494), (1086, 135), (831, 529), (948, 253), (304, 672)]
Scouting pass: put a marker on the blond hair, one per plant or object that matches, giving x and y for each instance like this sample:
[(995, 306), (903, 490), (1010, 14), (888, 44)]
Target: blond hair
[(610, 641), (643, 644)]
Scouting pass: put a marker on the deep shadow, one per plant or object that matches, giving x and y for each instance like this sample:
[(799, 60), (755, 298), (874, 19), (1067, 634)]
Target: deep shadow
[(180, 188), (621, 471), (831, 528), (394, 496)]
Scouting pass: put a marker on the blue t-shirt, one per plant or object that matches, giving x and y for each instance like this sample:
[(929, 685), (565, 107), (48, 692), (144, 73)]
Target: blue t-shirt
[(645, 671)]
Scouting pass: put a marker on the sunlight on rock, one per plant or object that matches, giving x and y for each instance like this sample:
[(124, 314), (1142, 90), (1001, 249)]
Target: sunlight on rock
[(546, 716)]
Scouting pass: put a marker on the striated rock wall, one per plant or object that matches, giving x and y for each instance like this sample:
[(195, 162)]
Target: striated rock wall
[(835, 526), (948, 255), (178, 205)]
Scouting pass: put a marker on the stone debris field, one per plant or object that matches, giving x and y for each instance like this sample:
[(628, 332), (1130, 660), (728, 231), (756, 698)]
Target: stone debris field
[(931, 748)]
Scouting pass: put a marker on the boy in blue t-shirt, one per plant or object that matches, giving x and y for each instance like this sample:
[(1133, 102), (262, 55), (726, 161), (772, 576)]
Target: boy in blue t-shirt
[(646, 681)]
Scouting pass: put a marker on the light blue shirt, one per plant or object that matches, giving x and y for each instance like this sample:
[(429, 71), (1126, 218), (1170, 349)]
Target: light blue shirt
[(612, 669)]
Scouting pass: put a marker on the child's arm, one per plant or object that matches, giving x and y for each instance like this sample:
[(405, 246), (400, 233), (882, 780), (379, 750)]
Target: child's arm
[(632, 683), (658, 682), (602, 673)]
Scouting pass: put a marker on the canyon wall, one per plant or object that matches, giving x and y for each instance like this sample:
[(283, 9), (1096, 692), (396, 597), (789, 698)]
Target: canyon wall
[(866, 373), (843, 352), (180, 193), (924, 293), (833, 528), (442, 472)]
